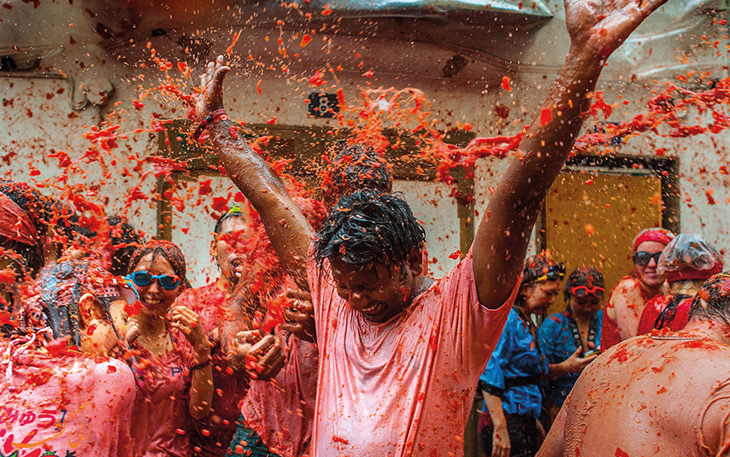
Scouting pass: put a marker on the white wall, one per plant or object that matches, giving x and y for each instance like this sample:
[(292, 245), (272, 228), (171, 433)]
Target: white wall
[(652, 58)]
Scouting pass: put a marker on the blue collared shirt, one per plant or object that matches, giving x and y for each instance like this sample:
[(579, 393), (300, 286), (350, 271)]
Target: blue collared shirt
[(557, 344), (516, 356)]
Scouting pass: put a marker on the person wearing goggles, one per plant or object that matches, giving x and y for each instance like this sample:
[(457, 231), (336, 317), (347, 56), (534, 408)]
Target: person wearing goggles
[(510, 383), (665, 393), (571, 339), (629, 296), (686, 262), (173, 369), (223, 305)]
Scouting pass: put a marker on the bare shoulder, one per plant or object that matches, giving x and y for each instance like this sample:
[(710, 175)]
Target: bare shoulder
[(625, 292), (713, 433)]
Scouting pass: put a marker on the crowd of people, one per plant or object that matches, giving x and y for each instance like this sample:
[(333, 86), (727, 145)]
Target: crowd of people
[(532, 371), (323, 335)]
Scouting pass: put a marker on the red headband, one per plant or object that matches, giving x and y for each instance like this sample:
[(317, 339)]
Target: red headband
[(657, 234), (686, 274), (15, 223)]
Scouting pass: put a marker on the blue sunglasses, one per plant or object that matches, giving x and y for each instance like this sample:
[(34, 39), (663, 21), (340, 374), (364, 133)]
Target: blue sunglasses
[(144, 278)]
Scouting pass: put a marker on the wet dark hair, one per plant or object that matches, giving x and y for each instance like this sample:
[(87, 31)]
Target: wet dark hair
[(357, 167), (587, 276), (369, 227), (535, 267), (712, 301), (168, 250), (124, 241), (539, 265), (60, 289)]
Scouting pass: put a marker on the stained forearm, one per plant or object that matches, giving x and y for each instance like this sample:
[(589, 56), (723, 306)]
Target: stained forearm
[(286, 226), (547, 145), (503, 236), (201, 390)]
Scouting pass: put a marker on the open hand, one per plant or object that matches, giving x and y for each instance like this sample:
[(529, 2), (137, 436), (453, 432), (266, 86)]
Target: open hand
[(260, 353), (598, 27), (210, 97), (299, 318), (501, 445)]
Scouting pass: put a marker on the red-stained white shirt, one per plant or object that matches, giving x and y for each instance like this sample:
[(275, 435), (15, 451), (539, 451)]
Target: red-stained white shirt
[(281, 410), (70, 405), (403, 387)]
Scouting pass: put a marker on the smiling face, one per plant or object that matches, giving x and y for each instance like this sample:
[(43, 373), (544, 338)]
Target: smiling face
[(377, 292), (539, 297), (229, 261), (155, 298), (648, 274)]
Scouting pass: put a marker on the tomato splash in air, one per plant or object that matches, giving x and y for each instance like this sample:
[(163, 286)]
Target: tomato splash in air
[(506, 84)]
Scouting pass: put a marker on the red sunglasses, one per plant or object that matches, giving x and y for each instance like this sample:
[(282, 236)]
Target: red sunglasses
[(582, 291)]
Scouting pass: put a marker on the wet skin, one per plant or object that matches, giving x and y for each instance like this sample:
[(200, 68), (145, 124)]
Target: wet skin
[(541, 296), (156, 300), (584, 308), (645, 396), (627, 301), (378, 292), (229, 261)]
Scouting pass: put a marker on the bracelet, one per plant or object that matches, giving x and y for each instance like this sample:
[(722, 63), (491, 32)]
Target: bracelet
[(200, 366), (215, 116)]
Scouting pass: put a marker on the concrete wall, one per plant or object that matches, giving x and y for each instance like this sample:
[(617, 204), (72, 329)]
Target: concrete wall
[(40, 109)]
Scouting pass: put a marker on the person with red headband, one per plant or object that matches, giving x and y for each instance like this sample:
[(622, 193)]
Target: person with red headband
[(629, 296), (663, 394), (686, 262)]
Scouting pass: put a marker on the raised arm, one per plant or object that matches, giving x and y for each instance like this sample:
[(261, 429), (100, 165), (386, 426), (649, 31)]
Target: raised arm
[(286, 226), (596, 28)]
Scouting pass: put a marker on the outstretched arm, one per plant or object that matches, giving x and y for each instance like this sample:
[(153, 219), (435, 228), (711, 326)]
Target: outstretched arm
[(596, 28), (286, 226)]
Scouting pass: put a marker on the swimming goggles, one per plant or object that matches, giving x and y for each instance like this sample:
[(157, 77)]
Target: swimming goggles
[(642, 258), (143, 278), (582, 291)]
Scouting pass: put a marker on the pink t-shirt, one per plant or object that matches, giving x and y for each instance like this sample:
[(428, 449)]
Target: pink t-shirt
[(403, 387), (211, 436), (70, 405), (281, 411), (161, 407)]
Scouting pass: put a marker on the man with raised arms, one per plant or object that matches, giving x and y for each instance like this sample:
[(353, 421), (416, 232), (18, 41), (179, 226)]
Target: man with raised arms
[(400, 357)]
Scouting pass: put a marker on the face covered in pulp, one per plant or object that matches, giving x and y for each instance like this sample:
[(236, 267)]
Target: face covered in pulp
[(376, 291), (230, 262)]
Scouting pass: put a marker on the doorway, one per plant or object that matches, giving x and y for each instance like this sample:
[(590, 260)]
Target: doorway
[(596, 207)]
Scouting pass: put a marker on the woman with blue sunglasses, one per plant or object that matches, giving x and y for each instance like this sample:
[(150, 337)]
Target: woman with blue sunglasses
[(173, 368)]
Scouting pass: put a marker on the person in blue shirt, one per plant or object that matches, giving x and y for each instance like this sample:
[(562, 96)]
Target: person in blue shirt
[(573, 332), (510, 382)]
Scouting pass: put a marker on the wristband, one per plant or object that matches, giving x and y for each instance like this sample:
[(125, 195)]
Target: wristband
[(215, 116), (200, 366)]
